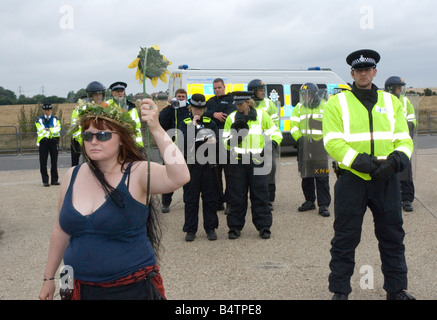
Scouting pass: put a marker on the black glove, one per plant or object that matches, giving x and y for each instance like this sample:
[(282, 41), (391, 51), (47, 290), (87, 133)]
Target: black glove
[(242, 129), (364, 163), (393, 164), (385, 170)]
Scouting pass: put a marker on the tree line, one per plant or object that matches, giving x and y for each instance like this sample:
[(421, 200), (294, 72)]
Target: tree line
[(8, 97)]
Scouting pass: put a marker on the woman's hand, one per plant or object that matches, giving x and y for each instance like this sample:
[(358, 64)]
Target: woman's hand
[(149, 114), (196, 118), (47, 290)]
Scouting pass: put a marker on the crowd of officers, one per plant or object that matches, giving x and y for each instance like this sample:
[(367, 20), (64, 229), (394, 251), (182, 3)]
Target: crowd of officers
[(231, 145)]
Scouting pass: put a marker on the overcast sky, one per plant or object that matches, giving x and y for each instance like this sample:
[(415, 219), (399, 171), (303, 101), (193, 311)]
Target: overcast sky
[(58, 46)]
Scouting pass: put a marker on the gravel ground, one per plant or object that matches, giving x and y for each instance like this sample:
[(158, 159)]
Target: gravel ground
[(292, 265)]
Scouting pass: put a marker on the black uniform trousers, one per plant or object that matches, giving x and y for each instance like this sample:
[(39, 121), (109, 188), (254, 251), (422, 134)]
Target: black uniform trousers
[(46, 147), (76, 151), (203, 183), (407, 185), (320, 184), (166, 199), (352, 197), (241, 179), (222, 169), (271, 177)]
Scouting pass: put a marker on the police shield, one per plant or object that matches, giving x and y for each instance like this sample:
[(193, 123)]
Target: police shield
[(410, 105), (312, 156)]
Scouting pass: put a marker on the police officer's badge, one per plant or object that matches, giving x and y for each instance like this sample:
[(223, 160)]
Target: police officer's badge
[(274, 96)]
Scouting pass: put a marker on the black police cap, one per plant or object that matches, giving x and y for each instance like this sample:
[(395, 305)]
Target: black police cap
[(241, 96), (365, 58), (118, 86), (198, 100), (47, 106)]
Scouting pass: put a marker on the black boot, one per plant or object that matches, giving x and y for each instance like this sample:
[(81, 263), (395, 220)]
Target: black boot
[(190, 236), (407, 206), (401, 295), (234, 234), (323, 211), (339, 296), (265, 233), (307, 206)]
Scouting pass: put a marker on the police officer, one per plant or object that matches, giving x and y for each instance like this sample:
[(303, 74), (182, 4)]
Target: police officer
[(170, 119), (306, 129), (244, 136), (365, 131), (118, 90), (95, 92), (48, 129), (257, 87), (200, 138), (396, 86), (218, 108)]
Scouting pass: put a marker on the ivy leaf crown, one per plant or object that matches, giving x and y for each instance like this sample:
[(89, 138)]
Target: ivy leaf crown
[(112, 113)]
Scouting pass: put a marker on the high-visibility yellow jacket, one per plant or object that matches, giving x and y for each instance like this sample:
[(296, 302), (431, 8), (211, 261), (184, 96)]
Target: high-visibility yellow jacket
[(254, 142), (74, 118), (270, 107), (307, 121), (409, 112), (349, 129), (47, 128)]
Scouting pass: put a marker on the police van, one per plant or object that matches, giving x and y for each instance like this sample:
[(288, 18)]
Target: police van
[(282, 86)]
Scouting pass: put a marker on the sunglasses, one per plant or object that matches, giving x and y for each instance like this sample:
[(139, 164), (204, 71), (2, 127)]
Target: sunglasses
[(100, 136)]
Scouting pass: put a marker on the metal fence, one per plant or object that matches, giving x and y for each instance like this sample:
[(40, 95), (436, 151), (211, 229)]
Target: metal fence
[(22, 140)]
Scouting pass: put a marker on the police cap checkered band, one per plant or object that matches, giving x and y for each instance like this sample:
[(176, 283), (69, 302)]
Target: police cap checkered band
[(365, 58), (241, 96), (198, 100), (118, 86)]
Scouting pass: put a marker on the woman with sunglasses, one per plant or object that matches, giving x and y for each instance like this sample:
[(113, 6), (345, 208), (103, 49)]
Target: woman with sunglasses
[(107, 234)]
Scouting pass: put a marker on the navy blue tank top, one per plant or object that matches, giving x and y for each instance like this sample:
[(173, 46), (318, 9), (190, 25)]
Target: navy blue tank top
[(111, 242)]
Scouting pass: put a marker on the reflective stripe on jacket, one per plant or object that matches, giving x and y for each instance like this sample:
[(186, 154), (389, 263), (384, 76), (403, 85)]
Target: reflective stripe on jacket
[(53, 125), (254, 142), (301, 122), (349, 129)]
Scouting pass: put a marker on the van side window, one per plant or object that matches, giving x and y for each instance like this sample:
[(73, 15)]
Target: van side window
[(294, 89)]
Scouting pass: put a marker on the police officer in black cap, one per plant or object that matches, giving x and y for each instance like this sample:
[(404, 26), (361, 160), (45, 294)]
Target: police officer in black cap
[(200, 138), (118, 91), (365, 131), (48, 129), (247, 135)]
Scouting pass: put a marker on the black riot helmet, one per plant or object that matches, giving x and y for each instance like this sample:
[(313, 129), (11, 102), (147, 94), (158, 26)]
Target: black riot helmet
[(95, 87), (255, 85), (395, 82), (309, 95)]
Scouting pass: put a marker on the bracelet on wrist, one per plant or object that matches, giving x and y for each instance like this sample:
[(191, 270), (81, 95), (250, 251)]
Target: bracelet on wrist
[(49, 279)]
